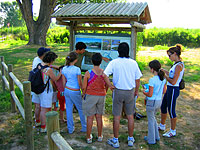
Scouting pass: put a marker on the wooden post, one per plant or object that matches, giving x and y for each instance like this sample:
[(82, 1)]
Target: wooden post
[(28, 115), (12, 88), (71, 36), (52, 126), (133, 42), (3, 73)]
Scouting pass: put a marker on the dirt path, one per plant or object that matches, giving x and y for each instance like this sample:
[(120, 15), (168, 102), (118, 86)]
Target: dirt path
[(188, 124)]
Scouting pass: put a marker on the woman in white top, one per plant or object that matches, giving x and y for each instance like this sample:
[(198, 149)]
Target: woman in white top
[(173, 77), (46, 96)]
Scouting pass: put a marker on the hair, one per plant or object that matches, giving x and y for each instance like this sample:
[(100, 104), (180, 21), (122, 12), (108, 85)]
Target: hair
[(80, 46), (123, 50), (71, 57), (49, 57), (155, 65), (96, 59), (176, 49)]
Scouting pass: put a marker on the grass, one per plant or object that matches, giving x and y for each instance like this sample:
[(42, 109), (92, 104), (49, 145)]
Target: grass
[(21, 57)]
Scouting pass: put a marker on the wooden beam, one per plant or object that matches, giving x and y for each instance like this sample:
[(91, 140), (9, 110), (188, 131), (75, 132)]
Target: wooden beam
[(72, 35), (137, 25), (133, 42), (103, 28)]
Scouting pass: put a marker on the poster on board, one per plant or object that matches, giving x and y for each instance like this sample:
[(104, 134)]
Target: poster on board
[(105, 44)]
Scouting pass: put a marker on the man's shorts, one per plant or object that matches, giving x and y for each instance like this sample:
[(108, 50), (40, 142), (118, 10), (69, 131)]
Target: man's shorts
[(93, 104), (121, 97)]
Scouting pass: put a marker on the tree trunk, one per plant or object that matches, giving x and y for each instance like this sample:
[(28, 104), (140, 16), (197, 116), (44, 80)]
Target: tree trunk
[(37, 30)]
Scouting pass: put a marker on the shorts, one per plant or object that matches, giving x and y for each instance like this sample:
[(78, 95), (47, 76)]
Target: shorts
[(61, 101), (46, 99), (35, 98), (123, 97), (54, 98), (93, 104)]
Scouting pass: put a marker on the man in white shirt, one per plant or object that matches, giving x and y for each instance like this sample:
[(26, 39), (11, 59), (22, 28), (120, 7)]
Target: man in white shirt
[(126, 79), (35, 98)]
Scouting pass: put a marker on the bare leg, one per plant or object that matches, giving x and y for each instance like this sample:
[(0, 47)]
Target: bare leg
[(116, 123), (163, 118), (37, 111), (43, 116), (89, 125), (130, 125), (173, 123), (99, 124)]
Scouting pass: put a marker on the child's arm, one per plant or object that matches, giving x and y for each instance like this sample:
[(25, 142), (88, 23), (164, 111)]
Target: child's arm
[(63, 81), (149, 93), (52, 75), (80, 81), (85, 80), (164, 89)]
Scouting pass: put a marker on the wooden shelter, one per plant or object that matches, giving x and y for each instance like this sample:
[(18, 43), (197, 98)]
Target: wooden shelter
[(75, 15)]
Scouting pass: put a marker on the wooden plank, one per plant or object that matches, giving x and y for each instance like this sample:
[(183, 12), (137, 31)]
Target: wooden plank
[(103, 28), (17, 102), (17, 82), (137, 25), (60, 141), (133, 43), (6, 82), (5, 66)]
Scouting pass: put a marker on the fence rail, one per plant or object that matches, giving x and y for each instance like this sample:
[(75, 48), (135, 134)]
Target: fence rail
[(55, 140)]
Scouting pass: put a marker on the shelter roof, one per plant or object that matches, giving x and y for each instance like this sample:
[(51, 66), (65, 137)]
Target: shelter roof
[(104, 13)]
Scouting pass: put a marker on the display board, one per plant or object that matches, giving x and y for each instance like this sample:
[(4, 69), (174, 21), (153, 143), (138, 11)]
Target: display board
[(105, 44)]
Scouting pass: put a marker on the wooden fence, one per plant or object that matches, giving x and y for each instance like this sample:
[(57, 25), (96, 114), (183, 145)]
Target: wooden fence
[(55, 140)]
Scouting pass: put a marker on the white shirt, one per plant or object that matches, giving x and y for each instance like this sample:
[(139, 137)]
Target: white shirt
[(125, 71), (36, 61)]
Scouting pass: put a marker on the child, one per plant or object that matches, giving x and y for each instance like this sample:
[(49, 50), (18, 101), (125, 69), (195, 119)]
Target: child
[(95, 88), (60, 96), (72, 93), (153, 100)]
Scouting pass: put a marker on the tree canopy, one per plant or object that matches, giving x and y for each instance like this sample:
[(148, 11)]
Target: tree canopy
[(11, 14)]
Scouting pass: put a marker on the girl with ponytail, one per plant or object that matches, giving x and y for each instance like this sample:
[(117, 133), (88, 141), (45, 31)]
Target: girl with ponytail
[(73, 79), (173, 77), (154, 99)]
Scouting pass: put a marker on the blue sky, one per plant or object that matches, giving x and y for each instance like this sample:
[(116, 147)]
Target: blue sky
[(165, 13)]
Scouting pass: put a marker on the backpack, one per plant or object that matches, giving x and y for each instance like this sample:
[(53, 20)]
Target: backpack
[(37, 83)]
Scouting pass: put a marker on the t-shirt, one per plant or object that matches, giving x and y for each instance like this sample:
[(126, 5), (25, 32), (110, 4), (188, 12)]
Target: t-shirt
[(80, 58), (125, 71), (71, 74), (158, 86), (36, 61)]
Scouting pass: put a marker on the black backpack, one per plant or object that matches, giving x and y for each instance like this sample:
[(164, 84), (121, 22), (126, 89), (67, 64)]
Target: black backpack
[(37, 83)]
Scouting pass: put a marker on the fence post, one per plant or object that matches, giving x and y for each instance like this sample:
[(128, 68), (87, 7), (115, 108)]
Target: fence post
[(12, 88), (52, 126), (3, 73), (28, 115)]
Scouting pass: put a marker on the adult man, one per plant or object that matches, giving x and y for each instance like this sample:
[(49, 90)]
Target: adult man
[(35, 98), (126, 79), (80, 50)]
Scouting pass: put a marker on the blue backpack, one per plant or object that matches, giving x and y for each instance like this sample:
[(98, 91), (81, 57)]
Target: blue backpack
[(37, 83)]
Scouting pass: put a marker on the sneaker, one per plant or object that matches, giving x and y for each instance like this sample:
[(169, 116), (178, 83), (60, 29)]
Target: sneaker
[(100, 138), (37, 124), (113, 143), (43, 130), (161, 127), (89, 140), (170, 133), (131, 141)]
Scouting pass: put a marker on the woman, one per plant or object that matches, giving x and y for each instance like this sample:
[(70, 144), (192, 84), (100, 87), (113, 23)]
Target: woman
[(173, 77), (154, 96), (72, 78), (47, 95)]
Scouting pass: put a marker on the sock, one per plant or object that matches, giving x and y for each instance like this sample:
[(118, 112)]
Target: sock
[(130, 138), (174, 131), (43, 126), (115, 139), (162, 125), (38, 121)]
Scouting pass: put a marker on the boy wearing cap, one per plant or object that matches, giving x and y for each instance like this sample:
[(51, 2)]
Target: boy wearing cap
[(35, 98)]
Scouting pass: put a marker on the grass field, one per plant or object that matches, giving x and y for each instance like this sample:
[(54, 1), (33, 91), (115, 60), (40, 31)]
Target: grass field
[(12, 132)]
